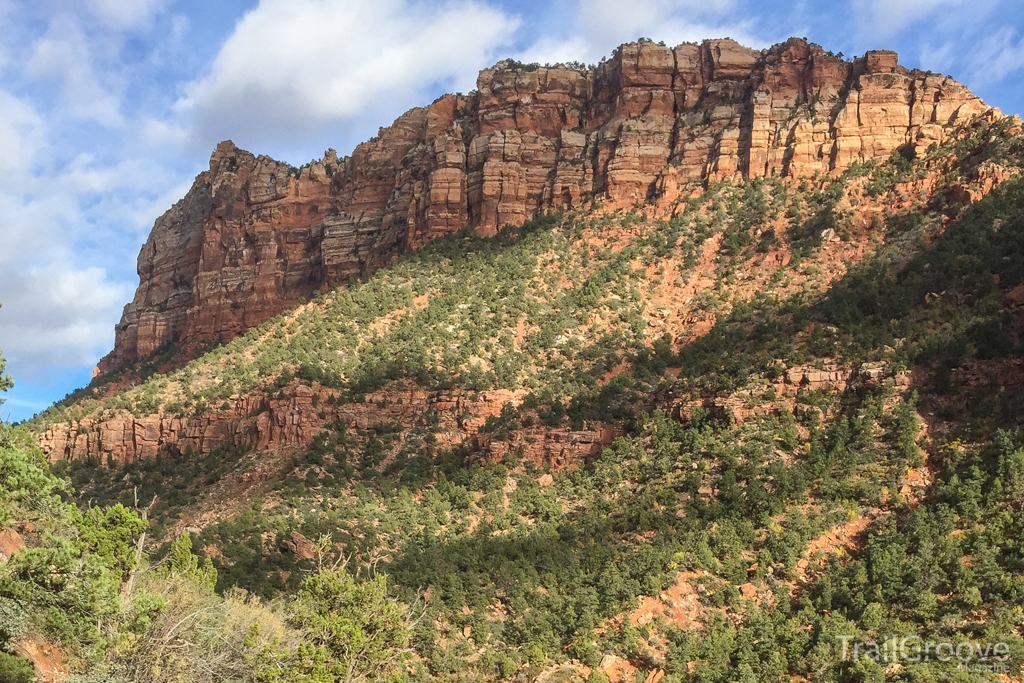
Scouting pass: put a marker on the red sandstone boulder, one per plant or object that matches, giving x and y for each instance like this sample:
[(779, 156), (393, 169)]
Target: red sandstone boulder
[(10, 543)]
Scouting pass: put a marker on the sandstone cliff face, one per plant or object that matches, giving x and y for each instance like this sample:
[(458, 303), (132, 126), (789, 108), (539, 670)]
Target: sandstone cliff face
[(254, 237), (295, 417)]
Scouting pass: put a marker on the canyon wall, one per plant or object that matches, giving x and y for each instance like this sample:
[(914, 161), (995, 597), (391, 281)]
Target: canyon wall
[(254, 236)]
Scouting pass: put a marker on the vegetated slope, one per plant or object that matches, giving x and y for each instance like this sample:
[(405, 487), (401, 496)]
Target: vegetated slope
[(79, 601), (254, 237), (817, 387)]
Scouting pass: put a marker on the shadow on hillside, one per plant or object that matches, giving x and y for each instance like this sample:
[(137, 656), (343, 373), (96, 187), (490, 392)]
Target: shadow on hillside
[(939, 307)]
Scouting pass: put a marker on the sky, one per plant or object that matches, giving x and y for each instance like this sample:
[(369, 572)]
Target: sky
[(109, 108)]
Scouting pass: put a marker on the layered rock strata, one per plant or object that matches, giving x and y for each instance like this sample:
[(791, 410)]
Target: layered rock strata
[(254, 236), (292, 419)]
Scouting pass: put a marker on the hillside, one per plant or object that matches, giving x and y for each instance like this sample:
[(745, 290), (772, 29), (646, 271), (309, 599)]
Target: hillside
[(697, 435)]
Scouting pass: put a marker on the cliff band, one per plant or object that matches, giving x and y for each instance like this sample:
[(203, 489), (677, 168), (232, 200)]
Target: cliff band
[(254, 236)]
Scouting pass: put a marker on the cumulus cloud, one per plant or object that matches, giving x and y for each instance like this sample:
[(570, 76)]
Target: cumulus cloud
[(57, 317), (125, 14), (295, 64), (22, 135), (56, 310), (72, 205), (64, 55)]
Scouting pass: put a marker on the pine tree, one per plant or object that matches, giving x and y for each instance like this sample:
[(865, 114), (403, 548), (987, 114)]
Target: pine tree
[(5, 380)]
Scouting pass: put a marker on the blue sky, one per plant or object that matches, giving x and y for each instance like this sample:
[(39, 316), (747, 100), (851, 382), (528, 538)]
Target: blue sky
[(109, 108)]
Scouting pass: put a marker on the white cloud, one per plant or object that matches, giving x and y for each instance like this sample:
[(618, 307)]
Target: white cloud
[(22, 136), (77, 198), (158, 133), (125, 14), (885, 18), (64, 54), (56, 311), (996, 56), (941, 58), (54, 316), (297, 64)]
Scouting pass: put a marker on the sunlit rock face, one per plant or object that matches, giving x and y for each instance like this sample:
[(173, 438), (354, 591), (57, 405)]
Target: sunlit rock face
[(254, 237)]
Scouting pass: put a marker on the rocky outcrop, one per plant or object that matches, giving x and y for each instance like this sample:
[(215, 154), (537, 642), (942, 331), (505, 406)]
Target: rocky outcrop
[(299, 546), (780, 395), (254, 237), (10, 543), (296, 415)]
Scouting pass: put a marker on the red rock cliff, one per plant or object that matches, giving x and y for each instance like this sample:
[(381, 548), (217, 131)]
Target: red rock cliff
[(253, 237)]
